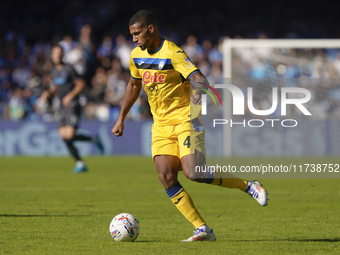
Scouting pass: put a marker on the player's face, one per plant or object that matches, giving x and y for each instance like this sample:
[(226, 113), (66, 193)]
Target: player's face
[(57, 55), (141, 35)]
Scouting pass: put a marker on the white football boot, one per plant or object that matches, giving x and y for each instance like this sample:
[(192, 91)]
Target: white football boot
[(256, 190), (202, 234)]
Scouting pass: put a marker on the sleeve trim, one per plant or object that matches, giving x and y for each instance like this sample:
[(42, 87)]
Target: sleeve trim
[(193, 72), (139, 79)]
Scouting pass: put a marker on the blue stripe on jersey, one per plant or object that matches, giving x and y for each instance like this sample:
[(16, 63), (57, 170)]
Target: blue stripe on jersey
[(174, 190), (155, 61), (135, 78), (138, 79)]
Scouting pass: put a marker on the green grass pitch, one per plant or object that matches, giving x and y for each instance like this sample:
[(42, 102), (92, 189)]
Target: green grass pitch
[(46, 209)]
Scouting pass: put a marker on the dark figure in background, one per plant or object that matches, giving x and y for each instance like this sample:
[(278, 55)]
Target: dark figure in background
[(68, 85)]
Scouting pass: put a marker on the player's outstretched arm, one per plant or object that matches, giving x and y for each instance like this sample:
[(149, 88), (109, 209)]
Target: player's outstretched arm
[(131, 94), (40, 104), (198, 79)]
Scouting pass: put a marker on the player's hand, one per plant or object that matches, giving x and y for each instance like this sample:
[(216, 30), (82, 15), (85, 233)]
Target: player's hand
[(118, 128), (67, 100), (196, 99)]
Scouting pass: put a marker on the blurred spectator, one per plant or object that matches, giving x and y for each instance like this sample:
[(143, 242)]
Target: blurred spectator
[(105, 49), (115, 90), (21, 74), (15, 109), (337, 63), (67, 44), (34, 83), (105, 52), (204, 66), (215, 54), (77, 58), (86, 44), (123, 51), (3, 60), (99, 82), (32, 92), (206, 47), (85, 38), (194, 50), (41, 49), (5, 83)]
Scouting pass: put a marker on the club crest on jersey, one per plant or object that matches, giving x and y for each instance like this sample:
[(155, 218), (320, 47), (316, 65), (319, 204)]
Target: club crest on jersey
[(161, 65)]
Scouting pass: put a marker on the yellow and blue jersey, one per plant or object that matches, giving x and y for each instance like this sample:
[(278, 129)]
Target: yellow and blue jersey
[(165, 76)]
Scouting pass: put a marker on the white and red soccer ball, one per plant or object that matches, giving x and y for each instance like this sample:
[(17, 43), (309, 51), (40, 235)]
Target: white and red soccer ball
[(124, 227)]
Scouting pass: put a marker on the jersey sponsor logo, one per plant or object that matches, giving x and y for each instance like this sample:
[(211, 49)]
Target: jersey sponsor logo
[(59, 81), (152, 90), (155, 78), (139, 63), (180, 51)]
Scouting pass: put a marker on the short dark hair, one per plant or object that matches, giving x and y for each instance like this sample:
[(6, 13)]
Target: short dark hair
[(143, 17)]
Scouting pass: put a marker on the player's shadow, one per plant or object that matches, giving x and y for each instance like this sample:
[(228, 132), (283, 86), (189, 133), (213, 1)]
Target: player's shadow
[(321, 240), (40, 215), (145, 241)]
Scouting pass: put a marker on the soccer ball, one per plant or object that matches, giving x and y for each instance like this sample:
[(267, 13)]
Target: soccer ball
[(124, 227)]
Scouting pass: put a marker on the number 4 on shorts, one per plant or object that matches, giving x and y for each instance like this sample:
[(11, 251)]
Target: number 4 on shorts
[(187, 141)]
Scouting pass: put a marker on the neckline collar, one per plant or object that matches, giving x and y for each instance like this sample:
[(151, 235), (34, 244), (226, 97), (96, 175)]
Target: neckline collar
[(159, 47)]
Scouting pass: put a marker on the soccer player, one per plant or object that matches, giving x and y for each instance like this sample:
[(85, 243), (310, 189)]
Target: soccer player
[(165, 71), (67, 85)]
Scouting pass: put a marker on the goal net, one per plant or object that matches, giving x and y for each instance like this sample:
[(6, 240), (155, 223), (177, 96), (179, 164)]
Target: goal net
[(272, 67)]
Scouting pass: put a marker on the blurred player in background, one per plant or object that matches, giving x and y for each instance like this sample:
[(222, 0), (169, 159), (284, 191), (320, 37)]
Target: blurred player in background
[(68, 85), (166, 71)]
